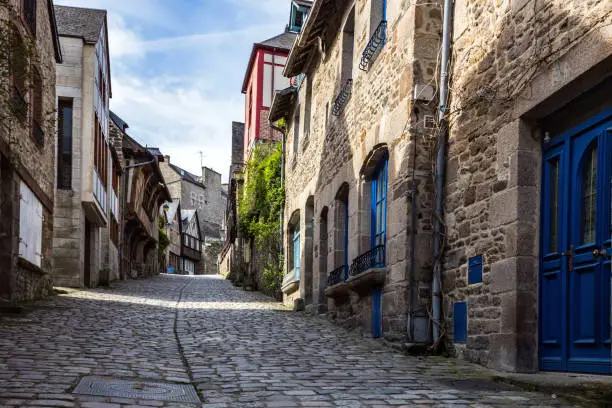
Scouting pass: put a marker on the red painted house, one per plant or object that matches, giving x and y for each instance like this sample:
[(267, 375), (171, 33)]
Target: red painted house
[(264, 75)]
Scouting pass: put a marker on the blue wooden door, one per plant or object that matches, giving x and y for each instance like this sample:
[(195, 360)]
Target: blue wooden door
[(575, 265)]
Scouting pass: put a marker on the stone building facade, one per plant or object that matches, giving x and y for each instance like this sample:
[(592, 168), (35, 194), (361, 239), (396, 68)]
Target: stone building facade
[(86, 235), (31, 50), (231, 258), (526, 262), (145, 194), (358, 165), (530, 107), (189, 189)]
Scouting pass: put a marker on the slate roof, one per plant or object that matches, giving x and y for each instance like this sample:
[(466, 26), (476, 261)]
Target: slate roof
[(284, 41), (187, 176), (118, 121), (80, 22), (156, 152)]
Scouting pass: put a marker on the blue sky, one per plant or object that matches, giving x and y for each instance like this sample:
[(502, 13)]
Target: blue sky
[(177, 68)]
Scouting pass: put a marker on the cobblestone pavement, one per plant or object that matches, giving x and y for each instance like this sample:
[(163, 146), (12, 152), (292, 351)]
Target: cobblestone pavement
[(238, 349)]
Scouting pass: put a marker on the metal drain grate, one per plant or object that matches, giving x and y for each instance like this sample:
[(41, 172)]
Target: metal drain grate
[(111, 387)]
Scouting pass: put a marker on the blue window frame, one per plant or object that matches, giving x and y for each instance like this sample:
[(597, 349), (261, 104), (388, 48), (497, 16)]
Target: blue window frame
[(379, 205), (475, 270), (296, 250), (298, 17)]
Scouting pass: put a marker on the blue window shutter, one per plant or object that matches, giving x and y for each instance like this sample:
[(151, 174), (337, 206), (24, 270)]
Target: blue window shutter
[(460, 322), (475, 270)]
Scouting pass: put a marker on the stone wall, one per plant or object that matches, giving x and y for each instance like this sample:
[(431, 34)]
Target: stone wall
[(514, 62), (381, 112), (69, 232), (23, 158)]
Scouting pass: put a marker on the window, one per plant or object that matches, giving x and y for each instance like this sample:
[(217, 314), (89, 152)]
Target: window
[(298, 17), (475, 270), (589, 196), (378, 14), (28, 12), (37, 108), (348, 41), (342, 228), (379, 204), (307, 109), (201, 201), (19, 72), (194, 198), (296, 250), (30, 226), (64, 146), (296, 131), (114, 232)]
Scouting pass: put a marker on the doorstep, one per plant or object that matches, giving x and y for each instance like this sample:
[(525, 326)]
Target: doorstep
[(585, 389)]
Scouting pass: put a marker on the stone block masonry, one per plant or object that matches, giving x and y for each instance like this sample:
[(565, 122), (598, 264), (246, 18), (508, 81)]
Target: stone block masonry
[(334, 160), (514, 63)]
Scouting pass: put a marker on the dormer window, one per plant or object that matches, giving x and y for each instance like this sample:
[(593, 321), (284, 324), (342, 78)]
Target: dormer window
[(298, 17)]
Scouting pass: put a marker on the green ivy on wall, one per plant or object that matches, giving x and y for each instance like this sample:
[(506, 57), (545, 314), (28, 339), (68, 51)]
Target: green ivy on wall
[(261, 201)]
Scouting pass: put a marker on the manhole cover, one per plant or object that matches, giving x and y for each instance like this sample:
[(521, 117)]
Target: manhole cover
[(111, 387)]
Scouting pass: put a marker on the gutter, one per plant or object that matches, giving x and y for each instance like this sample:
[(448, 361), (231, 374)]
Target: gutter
[(447, 27)]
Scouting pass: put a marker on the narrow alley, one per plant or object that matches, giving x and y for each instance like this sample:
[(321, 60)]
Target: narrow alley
[(128, 345)]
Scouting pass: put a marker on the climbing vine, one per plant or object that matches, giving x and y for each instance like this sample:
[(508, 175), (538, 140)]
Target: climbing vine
[(259, 209)]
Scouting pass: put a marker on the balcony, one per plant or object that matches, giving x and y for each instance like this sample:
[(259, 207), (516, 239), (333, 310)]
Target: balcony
[(95, 201), (343, 98), (368, 270), (374, 45), (336, 283)]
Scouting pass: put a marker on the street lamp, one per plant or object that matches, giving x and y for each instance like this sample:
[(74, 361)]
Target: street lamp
[(123, 205)]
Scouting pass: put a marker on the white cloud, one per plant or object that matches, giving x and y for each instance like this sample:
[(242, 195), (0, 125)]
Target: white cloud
[(177, 84)]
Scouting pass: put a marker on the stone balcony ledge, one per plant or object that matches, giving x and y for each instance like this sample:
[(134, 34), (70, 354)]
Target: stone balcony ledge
[(365, 281), (339, 290)]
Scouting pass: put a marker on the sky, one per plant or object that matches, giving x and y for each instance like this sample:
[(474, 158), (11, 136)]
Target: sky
[(177, 68)]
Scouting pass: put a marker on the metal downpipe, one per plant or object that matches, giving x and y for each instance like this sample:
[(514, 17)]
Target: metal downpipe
[(441, 166)]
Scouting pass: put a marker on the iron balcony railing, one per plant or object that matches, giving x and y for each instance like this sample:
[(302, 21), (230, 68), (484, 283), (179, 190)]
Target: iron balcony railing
[(343, 97), (374, 258), (38, 134), (338, 275), (376, 42)]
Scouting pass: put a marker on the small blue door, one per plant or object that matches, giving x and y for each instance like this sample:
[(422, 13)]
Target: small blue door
[(576, 239)]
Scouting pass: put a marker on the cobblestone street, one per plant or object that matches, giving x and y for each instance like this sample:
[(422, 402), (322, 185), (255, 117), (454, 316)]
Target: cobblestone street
[(238, 349)]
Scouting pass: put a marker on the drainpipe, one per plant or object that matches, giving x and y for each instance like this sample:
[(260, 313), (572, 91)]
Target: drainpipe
[(441, 166)]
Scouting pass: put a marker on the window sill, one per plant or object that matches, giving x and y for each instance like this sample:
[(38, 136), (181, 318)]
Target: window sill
[(25, 264)]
